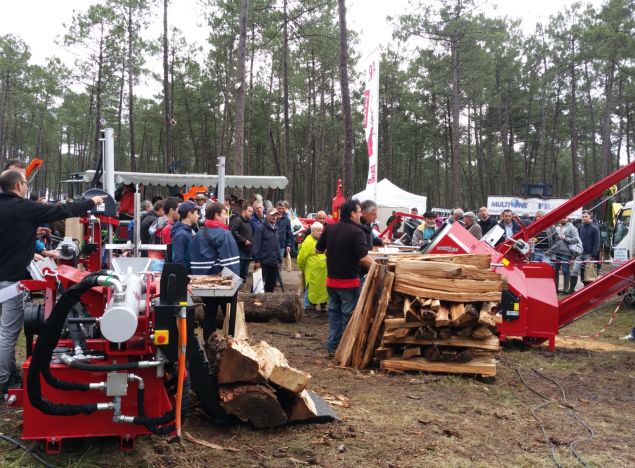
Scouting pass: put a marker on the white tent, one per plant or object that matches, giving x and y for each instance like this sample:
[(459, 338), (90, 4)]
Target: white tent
[(392, 198)]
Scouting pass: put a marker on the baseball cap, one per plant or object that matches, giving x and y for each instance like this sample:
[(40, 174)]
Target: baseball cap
[(186, 207), (200, 196), (272, 211), (469, 214)]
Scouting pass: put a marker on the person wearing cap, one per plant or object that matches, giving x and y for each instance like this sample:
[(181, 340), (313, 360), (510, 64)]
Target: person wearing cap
[(469, 221), (425, 231), (265, 250), (182, 233)]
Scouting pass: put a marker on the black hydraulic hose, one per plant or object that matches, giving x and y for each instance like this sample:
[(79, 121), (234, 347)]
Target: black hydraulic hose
[(43, 352), (142, 414), (63, 384), (104, 367)]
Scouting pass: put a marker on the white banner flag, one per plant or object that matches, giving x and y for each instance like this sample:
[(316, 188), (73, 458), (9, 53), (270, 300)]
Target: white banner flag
[(371, 119)]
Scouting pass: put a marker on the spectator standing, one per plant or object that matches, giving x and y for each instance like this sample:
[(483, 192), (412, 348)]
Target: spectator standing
[(507, 222), (21, 218), (182, 233), (426, 230), (560, 253), (257, 217), (170, 208), (241, 229), (346, 249), (321, 217), (213, 249), (485, 220), (201, 201), (397, 225), (367, 221), (456, 216), (543, 241), (313, 267), (266, 251), (283, 228), (590, 238), (411, 224), (469, 221), (148, 220)]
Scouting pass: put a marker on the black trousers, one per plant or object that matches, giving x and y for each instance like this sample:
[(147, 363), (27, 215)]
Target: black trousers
[(211, 309), (269, 276)]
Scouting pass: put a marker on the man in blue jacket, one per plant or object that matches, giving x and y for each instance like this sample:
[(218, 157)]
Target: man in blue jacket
[(182, 233), (213, 249), (265, 250), (283, 226), (590, 237)]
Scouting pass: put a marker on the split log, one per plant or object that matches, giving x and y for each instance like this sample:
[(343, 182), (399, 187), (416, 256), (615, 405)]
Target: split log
[(482, 261), (366, 320), (425, 333), (482, 332), (432, 353), (400, 333), (426, 303), (282, 306), (443, 316), (410, 352), (301, 408), (240, 327), (444, 333), (275, 368), (384, 352), (435, 304), (457, 311), (463, 332), (484, 317), (428, 315), (451, 285), (394, 323), (485, 366), (255, 404), (233, 361)]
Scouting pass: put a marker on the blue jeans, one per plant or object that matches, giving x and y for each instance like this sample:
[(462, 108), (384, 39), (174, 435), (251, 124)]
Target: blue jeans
[(244, 268), (307, 303), (11, 320), (342, 301), (561, 261)]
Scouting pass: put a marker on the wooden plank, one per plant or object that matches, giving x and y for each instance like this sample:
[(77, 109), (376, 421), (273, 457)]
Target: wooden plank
[(443, 270), (345, 348), (489, 344), (374, 334), (406, 288), (450, 284), (485, 366), (482, 261)]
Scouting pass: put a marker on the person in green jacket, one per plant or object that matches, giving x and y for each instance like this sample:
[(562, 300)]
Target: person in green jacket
[(313, 268)]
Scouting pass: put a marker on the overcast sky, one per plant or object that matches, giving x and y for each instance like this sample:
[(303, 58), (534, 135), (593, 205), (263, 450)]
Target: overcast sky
[(40, 22)]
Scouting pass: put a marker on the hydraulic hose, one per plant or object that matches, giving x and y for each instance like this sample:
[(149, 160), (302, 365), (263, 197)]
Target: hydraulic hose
[(182, 327), (43, 352)]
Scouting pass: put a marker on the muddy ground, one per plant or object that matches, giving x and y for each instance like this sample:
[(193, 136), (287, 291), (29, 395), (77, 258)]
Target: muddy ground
[(403, 420)]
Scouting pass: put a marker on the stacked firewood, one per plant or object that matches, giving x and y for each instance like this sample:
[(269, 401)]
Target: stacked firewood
[(434, 313), (256, 383)]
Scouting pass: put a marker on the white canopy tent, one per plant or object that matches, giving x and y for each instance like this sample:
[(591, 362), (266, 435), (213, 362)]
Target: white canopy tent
[(392, 198), (188, 180)]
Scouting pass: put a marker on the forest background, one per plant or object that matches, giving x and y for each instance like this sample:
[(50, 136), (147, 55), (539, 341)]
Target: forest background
[(471, 103)]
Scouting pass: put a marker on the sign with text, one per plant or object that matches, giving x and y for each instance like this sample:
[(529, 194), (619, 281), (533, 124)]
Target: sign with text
[(371, 117), (529, 206)]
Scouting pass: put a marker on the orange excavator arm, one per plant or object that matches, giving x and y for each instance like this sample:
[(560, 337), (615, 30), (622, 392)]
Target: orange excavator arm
[(33, 167)]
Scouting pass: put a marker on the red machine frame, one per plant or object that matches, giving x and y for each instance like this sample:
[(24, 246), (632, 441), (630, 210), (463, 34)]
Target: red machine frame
[(533, 310)]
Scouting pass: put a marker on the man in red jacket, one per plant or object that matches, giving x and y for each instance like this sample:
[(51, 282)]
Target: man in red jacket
[(346, 248)]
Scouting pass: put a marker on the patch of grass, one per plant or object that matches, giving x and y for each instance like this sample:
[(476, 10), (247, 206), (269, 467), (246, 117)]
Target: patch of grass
[(559, 363)]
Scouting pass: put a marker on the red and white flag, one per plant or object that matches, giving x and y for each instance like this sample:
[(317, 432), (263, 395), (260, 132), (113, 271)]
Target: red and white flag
[(371, 117)]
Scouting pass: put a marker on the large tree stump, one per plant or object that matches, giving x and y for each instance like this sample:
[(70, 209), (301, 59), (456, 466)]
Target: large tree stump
[(255, 404), (281, 306)]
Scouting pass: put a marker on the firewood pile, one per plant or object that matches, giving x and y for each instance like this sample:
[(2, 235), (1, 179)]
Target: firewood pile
[(256, 383), (433, 313)]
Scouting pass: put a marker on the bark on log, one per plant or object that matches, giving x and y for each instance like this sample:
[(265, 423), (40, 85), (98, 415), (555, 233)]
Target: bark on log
[(281, 306), (255, 404)]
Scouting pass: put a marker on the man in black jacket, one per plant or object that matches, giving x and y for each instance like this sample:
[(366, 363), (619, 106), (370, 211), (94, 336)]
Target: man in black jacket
[(485, 220), (367, 221), (346, 250), (240, 227), (20, 220), (265, 250), (146, 221)]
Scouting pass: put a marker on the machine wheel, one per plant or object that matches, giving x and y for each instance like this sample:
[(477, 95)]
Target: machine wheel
[(629, 297), (533, 341)]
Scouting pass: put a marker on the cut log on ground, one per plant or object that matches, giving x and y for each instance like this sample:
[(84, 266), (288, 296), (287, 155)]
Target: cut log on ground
[(255, 404), (233, 361), (282, 306)]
